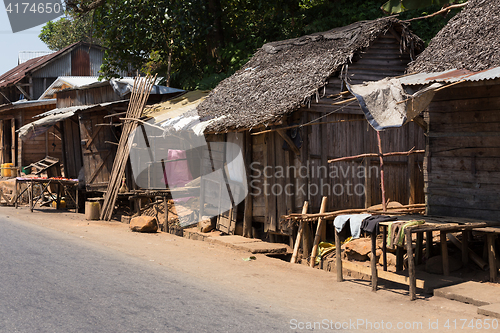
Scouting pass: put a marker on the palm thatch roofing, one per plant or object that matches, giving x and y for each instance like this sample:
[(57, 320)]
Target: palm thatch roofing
[(470, 40), (283, 76)]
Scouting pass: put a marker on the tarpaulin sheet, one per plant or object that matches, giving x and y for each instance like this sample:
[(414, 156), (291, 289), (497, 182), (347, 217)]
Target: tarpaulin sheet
[(386, 104)]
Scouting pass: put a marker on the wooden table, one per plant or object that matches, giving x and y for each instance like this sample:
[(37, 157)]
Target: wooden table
[(442, 224), (491, 235), (63, 186)]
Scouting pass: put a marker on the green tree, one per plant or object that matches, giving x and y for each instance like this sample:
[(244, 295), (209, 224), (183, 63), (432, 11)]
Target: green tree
[(68, 30), (197, 43)]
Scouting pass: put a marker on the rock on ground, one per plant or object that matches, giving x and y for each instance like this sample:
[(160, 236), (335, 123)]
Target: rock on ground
[(144, 224)]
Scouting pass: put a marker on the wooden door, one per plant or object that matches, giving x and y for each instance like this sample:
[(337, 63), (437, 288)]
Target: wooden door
[(97, 150)]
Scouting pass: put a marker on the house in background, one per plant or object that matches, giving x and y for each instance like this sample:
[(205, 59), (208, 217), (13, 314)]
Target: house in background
[(30, 79)]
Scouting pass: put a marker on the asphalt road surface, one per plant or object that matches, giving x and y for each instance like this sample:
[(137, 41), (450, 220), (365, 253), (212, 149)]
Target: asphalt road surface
[(54, 282)]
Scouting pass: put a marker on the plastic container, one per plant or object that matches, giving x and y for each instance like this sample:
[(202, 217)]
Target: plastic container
[(6, 170), (62, 204), (26, 170)]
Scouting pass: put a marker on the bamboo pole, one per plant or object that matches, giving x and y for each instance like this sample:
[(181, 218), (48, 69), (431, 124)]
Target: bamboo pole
[(350, 211), (299, 235), (402, 153), (140, 93), (382, 186), (317, 237), (344, 102)]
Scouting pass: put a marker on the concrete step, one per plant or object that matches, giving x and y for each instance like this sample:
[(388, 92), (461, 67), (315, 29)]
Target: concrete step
[(492, 310), (471, 292), (237, 242)]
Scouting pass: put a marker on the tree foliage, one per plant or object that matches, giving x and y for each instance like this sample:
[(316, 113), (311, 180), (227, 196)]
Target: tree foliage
[(205, 41), (68, 30)]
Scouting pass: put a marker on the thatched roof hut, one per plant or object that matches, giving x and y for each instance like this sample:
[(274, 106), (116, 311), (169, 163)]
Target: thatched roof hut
[(283, 76), (462, 162), (288, 86), (469, 41)]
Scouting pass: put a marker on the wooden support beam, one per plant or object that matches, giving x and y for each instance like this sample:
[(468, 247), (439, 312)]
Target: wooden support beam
[(382, 185), (373, 261), (419, 248), (338, 257), (411, 265), (21, 89), (490, 239), (317, 237), (247, 215), (299, 235), (444, 253), (470, 254), (289, 141), (428, 244)]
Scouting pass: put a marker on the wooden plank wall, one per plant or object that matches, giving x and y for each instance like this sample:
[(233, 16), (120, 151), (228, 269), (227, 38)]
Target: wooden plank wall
[(89, 96), (342, 182), (98, 156), (40, 146), (73, 151), (462, 169)]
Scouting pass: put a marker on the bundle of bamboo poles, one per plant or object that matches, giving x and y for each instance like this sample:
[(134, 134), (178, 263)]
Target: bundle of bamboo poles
[(140, 93), (396, 210)]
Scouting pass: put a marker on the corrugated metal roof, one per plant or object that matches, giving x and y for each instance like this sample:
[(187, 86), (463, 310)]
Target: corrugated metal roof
[(76, 108), (65, 82), (26, 104), (19, 72), (450, 76)]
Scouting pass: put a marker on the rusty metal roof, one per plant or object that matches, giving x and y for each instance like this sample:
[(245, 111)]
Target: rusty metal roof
[(450, 76), (19, 72)]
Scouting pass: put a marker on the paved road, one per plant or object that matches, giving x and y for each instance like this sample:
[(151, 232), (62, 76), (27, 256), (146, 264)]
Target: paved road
[(53, 282)]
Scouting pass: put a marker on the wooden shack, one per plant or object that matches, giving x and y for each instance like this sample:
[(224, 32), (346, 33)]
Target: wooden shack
[(22, 153), (462, 162), (278, 107), (88, 119)]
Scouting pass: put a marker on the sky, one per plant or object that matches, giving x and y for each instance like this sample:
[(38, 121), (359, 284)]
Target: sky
[(11, 43)]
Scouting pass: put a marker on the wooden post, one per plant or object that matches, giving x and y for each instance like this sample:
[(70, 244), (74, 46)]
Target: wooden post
[(76, 200), (58, 199), (399, 258), (318, 233), (338, 256), (418, 249), (428, 244), (247, 217), (492, 257), (306, 240), (13, 140), (368, 182), (165, 205), (465, 247), (16, 199), (2, 153), (299, 234), (382, 186), (411, 266), (384, 246), (411, 180), (373, 261), (444, 253), (31, 196)]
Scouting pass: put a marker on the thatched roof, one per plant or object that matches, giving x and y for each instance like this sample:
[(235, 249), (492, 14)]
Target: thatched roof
[(282, 76), (470, 40)]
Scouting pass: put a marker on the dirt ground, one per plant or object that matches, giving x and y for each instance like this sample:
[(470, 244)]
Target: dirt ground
[(312, 292)]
